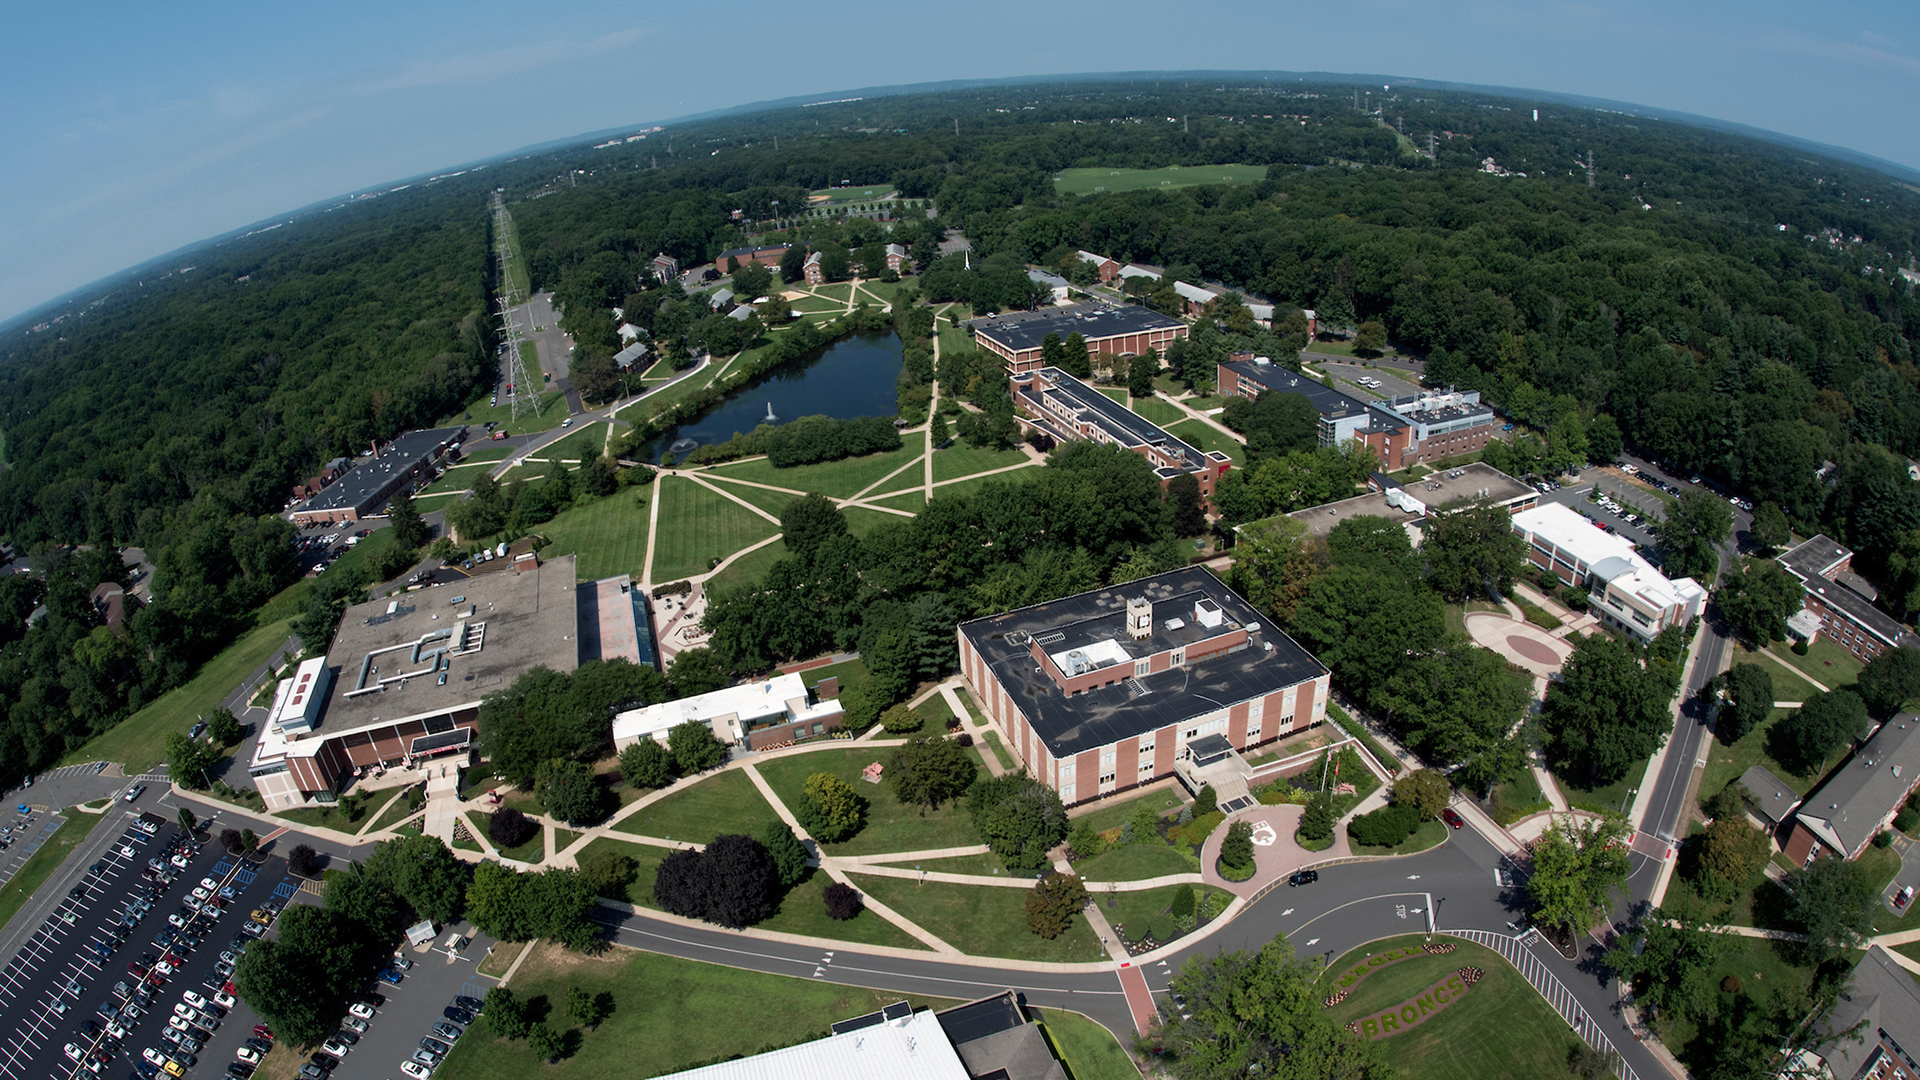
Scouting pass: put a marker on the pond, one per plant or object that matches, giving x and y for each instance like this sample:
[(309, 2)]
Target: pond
[(855, 376)]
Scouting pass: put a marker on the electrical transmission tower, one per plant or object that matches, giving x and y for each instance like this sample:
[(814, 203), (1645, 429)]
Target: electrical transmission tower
[(517, 396), (1589, 168)]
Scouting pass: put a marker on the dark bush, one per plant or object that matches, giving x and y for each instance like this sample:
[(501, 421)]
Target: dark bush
[(1906, 819), (509, 828), (731, 883), (1161, 927), (964, 738), (304, 861), (230, 840), (843, 901), (1384, 827)]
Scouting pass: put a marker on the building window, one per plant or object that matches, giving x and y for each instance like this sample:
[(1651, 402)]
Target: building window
[(1179, 657), (1140, 668), (1146, 767), (1106, 778), (1106, 760)]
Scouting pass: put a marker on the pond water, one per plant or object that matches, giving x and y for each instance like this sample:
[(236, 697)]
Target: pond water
[(855, 376)]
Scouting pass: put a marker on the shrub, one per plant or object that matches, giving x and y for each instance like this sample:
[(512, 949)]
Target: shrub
[(831, 810), (1385, 827), (1883, 839), (1146, 825), (1316, 825), (1205, 801), (509, 828), (965, 738), (1730, 984), (303, 860), (1087, 842), (1183, 901), (843, 901), (1195, 832), (609, 872), (1236, 851), (901, 720), (788, 853), (1161, 927), (230, 840), (1906, 819)]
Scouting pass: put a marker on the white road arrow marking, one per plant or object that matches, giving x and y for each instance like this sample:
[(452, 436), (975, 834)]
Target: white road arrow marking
[(1289, 911), (1313, 941), (1413, 877)]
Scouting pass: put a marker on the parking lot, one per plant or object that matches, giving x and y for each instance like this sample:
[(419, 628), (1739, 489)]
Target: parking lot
[(1347, 376), (103, 972), (412, 1008)]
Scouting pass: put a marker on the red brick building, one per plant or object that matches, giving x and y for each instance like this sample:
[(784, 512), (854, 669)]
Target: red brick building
[(733, 258), (1838, 602), (1118, 331), (1055, 402)]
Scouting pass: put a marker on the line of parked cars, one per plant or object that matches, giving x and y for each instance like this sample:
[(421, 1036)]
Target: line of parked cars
[(438, 1043)]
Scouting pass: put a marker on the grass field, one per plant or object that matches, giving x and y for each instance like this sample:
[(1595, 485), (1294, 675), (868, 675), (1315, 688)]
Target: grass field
[(1613, 796), (982, 920), (1726, 763), (1089, 1050), (704, 525), (1134, 862), (961, 460), (1430, 834), (609, 535), (725, 802), (455, 480), (747, 569), (329, 817), (1826, 663), (804, 911), (911, 501), (1207, 437), (41, 864), (1788, 685), (840, 479), (140, 741), (668, 1014), (1501, 1029), (835, 195), (863, 521), (552, 409), (1000, 752), (1157, 411), (1134, 910), (773, 502), (974, 483), (646, 856), (1088, 181), (1112, 815), (891, 826), (394, 814)]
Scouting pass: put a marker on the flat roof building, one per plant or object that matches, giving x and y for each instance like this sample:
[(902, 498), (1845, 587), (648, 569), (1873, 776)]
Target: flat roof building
[(402, 683), (1429, 426), (1071, 411), (372, 481), (1845, 615), (1103, 691), (1108, 328), (1341, 417), (1624, 590), (1860, 798), (733, 258), (757, 715), (1411, 504)]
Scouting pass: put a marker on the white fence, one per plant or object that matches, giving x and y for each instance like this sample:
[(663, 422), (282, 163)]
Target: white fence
[(1551, 988)]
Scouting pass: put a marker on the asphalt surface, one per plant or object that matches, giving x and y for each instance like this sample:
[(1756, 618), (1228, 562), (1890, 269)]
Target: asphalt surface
[(65, 973), (1394, 383), (412, 1007)]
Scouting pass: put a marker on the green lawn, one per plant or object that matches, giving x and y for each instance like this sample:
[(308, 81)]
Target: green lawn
[(1157, 411), (1111, 815), (1762, 971), (1826, 663), (533, 851), (1089, 1051), (1207, 437), (748, 568), (982, 920), (1135, 862), (648, 858), (849, 672), (1133, 910), (609, 535), (1787, 686), (840, 479), (975, 483), (668, 1014), (725, 802), (804, 911), (1117, 395), (1612, 796), (394, 814), (698, 525), (985, 864), (140, 741), (862, 521), (1000, 751), (41, 864), (328, 817), (484, 451), (1501, 1028), (552, 409), (891, 826), (960, 460), (773, 502), (911, 501), (1726, 763), (1088, 181), (1517, 797)]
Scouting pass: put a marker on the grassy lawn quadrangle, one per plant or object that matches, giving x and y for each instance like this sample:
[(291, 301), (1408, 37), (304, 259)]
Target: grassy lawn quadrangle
[(841, 479), (1134, 910), (1088, 181), (981, 920), (1725, 764), (766, 499), (911, 501), (140, 741), (394, 814), (1498, 1030), (645, 856), (1156, 411), (726, 802), (1089, 1050), (698, 524), (961, 460), (1826, 663), (804, 911), (747, 569), (1207, 437), (1112, 815), (1135, 862), (861, 521), (668, 1014), (608, 535), (974, 483), (891, 825)]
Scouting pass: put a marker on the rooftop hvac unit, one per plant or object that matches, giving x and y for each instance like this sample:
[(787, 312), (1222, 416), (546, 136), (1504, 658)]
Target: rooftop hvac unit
[(1077, 662)]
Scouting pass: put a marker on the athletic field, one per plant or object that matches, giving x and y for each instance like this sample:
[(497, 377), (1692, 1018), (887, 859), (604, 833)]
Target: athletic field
[(1088, 181)]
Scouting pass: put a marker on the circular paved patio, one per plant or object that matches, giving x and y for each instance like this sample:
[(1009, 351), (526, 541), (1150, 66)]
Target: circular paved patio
[(1519, 641)]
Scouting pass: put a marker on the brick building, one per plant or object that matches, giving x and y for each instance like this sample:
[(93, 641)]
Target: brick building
[(1071, 411), (1120, 331), (733, 258), (1859, 799), (1106, 268), (814, 273), (1427, 427), (367, 486), (1103, 691), (1837, 601)]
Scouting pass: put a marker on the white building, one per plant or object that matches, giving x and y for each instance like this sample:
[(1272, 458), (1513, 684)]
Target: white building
[(910, 1048), (1624, 590), (756, 715)]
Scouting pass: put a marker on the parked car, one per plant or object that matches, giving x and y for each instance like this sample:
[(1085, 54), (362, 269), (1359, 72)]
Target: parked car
[(446, 1031), (361, 1009), (1453, 819), (1302, 877), (247, 1054), (388, 975), (416, 1070)]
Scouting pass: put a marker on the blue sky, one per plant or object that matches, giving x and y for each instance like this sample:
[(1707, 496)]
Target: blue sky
[(133, 129)]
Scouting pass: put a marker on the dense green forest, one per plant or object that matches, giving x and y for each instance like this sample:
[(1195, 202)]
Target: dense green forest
[(1727, 305)]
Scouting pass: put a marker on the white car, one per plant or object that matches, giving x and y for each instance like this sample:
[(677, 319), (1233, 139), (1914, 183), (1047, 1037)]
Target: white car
[(178, 1023), (125, 851), (180, 862), (416, 1070), (164, 969), (248, 1054), (223, 999), (209, 884), (186, 1011), (362, 1010), (200, 892), (193, 999)]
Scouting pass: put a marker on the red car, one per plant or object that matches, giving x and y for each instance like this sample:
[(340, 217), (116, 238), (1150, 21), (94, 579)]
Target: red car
[(262, 1031), (138, 971), (1453, 819)]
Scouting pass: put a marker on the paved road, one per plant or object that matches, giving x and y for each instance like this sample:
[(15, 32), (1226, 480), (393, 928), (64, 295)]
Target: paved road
[(1347, 372)]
